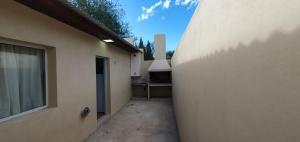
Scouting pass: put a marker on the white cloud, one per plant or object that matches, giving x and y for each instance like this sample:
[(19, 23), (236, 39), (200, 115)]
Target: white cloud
[(147, 12), (164, 4), (186, 2), (167, 4)]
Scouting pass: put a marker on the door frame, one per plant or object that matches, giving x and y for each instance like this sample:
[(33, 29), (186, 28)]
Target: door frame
[(106, 84)]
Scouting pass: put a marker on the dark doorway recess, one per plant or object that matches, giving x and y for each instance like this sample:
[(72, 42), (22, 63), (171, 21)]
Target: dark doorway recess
[(101, 87)]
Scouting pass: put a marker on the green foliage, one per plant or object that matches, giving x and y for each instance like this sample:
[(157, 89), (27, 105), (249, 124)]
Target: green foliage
[(107, 12), (169, 55), (141, 44), (148, 49)]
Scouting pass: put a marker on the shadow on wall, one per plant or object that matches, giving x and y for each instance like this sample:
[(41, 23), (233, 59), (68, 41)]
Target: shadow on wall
[(244, 94)]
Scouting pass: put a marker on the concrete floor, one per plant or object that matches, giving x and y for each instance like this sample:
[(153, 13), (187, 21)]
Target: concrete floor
[(140, 121)]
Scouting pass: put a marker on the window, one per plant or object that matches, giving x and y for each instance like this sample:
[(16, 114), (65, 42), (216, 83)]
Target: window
[(22, 80)]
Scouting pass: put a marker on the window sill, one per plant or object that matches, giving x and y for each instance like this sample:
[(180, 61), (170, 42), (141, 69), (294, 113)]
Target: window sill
[(22, 114)]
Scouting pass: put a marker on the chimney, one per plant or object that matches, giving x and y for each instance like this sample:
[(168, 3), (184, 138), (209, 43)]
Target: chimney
[(160, 63), (160, 46)]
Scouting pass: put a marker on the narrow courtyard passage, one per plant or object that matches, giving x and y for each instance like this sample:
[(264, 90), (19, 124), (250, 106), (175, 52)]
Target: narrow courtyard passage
[(140, 121)]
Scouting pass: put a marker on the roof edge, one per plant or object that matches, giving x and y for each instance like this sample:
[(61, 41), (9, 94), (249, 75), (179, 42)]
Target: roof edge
[(63, 11)]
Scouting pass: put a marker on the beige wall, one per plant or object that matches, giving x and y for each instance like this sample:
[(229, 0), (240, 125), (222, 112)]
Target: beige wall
[(138, 90), (120, 80), (76, 77), (236, 72), (145, 65)]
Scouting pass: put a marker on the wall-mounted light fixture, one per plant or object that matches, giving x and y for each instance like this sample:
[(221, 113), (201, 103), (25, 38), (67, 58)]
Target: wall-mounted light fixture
[(85, 112), (108, 40)]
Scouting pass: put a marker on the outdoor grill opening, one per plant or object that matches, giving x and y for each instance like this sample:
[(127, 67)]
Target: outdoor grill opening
[(160, 77)]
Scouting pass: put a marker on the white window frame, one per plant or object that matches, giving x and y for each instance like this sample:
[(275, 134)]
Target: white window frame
[(46, 79)]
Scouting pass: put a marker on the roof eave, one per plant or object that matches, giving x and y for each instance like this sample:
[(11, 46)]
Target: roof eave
[(62, 11)]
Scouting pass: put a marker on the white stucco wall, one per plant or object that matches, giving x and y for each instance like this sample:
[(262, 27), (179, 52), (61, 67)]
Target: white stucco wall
[(236, 72)]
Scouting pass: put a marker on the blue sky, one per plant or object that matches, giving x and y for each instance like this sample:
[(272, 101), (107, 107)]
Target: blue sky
[(148, 17)]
